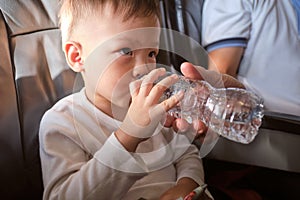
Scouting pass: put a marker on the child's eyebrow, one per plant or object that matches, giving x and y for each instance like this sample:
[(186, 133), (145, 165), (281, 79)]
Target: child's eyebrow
[(134, 41)]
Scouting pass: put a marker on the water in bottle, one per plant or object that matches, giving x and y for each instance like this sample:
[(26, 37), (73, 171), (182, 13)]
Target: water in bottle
[(233, 113)]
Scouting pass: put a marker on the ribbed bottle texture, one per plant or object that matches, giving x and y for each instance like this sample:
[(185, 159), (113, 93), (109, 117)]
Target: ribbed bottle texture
[(233, 113)]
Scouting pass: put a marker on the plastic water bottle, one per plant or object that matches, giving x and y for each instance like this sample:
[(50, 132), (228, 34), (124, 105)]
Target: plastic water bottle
[(233, 113)]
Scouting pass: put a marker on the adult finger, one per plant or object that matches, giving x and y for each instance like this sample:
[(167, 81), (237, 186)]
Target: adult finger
[(214, 78)]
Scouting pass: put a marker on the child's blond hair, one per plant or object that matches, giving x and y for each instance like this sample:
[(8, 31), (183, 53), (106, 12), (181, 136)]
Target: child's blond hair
[(73, 11)]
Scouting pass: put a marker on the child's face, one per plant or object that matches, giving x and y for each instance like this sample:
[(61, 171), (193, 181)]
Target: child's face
[(116, 53)]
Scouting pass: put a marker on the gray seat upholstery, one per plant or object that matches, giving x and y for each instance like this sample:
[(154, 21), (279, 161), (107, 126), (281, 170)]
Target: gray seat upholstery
[(183, 18), (33, 76)]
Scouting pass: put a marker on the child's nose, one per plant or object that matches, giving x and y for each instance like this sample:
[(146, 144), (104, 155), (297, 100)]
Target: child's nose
[(140, 70), (142, 65)]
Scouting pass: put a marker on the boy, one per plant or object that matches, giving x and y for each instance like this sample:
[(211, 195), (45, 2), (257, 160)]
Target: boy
[(106, 142)]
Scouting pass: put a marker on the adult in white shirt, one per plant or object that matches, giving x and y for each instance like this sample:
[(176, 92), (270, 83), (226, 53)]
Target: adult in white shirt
[(259, 42)]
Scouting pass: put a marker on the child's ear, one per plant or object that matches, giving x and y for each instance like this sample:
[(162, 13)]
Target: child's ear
[(73, 52)]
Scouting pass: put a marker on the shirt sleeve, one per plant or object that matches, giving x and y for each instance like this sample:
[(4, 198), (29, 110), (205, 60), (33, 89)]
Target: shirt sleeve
[(189, 165), (126, 161), (226, 23), (69, 172)]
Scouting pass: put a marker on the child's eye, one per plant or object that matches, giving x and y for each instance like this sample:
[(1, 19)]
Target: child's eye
[(152, 54), (126, 51)]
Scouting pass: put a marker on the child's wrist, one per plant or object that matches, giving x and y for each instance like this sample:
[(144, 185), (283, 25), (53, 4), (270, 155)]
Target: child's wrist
[(129, 142)]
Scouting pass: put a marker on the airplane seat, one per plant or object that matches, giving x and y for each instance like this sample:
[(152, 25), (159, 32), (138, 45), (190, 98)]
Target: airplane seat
[(180, 38), (33, 76)]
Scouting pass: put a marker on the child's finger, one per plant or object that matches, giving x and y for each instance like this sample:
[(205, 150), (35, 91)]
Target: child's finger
[(180, 125), (172, 101), (134, 87), (168, 120), (158, 90), (149, 79), (200, 128)]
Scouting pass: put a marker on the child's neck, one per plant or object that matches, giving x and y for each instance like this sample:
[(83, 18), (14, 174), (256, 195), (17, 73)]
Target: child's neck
[(107, 107)]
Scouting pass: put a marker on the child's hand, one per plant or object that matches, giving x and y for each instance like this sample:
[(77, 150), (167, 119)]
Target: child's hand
[(180, 190), (181, 125), (146, 112)]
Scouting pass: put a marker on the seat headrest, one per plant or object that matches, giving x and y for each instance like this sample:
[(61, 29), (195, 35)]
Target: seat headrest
[(28, 16)]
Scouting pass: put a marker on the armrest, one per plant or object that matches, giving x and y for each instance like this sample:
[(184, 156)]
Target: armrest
[(281, 122), (276, 146)]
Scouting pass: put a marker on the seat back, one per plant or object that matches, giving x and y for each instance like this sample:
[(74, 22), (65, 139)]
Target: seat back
[(33, 76), (183, 42)]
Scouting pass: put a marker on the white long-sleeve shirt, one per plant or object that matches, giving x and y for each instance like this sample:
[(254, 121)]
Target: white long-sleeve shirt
[(82, 159)]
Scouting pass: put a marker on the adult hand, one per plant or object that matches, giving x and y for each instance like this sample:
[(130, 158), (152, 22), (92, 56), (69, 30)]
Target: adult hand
[(214, 78)]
